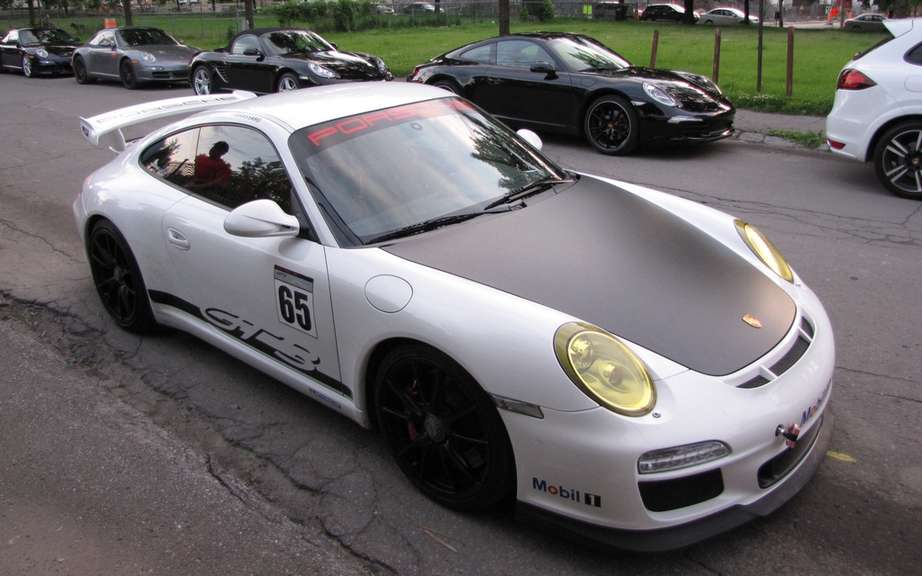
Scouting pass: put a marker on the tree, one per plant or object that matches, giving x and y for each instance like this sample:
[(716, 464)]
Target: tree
[(126, 5), (503, 17), (32, 13), (248, 11), (746, 12), (689, 12)]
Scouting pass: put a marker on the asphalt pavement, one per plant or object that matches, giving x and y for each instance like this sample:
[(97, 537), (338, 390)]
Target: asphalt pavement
[(163, 455)]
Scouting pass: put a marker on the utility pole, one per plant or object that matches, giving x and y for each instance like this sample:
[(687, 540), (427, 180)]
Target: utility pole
[(503, 17)]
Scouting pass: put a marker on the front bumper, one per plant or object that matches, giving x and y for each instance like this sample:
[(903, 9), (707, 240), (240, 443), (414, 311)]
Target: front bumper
[(682, 126), (51, 66), (582, 466), (664, 539), (162, 73)]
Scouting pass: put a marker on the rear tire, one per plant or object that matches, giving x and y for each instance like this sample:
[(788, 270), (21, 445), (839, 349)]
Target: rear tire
[(611, 126), (443, 429), (127, 75), (449, 85), (898, 159), (118, 279), (81, 75)]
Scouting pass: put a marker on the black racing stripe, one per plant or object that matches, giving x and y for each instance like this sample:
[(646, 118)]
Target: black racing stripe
[(174, 301), (611, 258)]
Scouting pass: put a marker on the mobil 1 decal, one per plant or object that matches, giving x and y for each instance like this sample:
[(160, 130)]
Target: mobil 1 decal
[(294, 295)]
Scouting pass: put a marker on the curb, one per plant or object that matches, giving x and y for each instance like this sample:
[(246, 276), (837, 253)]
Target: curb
[(776, 141)]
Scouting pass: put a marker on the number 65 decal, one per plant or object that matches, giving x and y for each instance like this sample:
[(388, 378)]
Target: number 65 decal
[(295, 296)]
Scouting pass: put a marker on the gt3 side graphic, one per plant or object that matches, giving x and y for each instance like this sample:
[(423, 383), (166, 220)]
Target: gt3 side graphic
[(514, 329)]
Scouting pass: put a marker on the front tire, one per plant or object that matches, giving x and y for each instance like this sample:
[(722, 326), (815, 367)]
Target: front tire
[(443, 429), (127, 75), (898, 159), (611, 126), (118, 279), (287, 82), (202, 81), (26, 67), (80, 72)]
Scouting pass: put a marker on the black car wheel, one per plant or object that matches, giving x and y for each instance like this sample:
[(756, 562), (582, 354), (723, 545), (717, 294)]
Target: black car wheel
[(127, 74), (898, 159), (449, 85), (80, 73), (26, 66), (611, 125), (287, 82), (443, 429), (202, 82), (117, 278)]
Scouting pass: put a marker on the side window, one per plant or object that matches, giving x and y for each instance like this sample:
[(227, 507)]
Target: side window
[(12, 37), (236, 165), (914, 56), (244, 43), (104, 39), (480, 55), (520, 54), (172, 158)]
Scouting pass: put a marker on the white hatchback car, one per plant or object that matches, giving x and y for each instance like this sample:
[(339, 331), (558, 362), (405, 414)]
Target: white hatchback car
[(877, 114)]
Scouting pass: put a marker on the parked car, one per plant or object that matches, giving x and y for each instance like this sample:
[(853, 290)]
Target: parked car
[(664, 12), (278, 59), (134, 55), (726, 17), (866, 23), (876, 113), (418, 8), (636, 366), (381, 8), (574, 84), (612, 10), (37, 51)]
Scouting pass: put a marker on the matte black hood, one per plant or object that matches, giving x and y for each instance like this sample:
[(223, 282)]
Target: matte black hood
[(611, 258)]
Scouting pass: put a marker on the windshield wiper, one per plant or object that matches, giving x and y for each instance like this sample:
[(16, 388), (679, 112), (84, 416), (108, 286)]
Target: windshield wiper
[(430, 224), (525, 191)]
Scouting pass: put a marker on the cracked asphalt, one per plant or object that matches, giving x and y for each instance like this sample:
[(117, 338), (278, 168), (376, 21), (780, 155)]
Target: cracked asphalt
[(162, 455)]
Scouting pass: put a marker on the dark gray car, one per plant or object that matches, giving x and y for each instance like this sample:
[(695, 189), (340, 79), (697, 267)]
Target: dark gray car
[(866, 23), (134, 55)]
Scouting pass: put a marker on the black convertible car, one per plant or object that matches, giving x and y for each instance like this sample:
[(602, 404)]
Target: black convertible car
[(574, 84), (276, 59), (35, 51)]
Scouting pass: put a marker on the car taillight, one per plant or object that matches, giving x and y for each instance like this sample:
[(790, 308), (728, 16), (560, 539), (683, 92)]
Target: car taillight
[(851, 79)]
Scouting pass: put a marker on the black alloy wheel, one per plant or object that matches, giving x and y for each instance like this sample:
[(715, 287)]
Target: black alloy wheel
[(118, 280), (443, 429), (127, 74), (80, 73), (611, 125), (898, 160)]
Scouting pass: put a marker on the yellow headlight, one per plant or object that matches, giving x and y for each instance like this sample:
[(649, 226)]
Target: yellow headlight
[(765, 250), (605, 369)]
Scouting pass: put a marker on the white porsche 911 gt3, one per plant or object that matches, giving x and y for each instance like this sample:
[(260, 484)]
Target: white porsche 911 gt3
[(641, 368)]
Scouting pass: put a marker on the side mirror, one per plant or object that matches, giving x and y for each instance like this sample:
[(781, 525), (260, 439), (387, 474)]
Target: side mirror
[(261, 219), (252, 52), (531, 138), (545, 67), (333, 44)]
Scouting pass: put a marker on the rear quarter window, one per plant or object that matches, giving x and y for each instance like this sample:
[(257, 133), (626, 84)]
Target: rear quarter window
[(914, 56)]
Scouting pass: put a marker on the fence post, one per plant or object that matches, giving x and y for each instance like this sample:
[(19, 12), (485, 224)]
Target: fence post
[(715, 73), (789, 86), (653, 49), (759, 49)]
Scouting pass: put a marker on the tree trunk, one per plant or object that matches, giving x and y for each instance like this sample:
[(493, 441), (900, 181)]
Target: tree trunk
[(689, 12), (503, 17), (746, 11), (126, 4), (32, 13), (780, 13), (248, 11)]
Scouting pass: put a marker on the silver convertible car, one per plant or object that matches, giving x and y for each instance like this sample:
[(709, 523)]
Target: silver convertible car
[(133, 55)]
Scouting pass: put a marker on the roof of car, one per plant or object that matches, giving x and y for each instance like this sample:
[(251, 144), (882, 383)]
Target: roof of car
[(300, 108)]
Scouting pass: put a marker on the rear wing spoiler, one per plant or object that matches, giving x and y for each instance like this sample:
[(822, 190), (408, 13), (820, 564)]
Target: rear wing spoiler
[(106, 129)]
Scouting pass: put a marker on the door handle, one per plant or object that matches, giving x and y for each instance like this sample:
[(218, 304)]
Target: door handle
[(177, 239)]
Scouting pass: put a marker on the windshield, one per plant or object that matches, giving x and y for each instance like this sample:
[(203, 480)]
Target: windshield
[(46, 36), (384, 171), (291, 41), (584, 54), (145, 37)]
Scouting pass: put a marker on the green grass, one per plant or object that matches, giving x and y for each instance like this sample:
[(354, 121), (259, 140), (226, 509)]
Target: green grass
[(818, 54), (806, 139)]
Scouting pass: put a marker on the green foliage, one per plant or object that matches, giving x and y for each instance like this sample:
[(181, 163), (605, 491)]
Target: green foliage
[(546, 11), (523, 14)]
